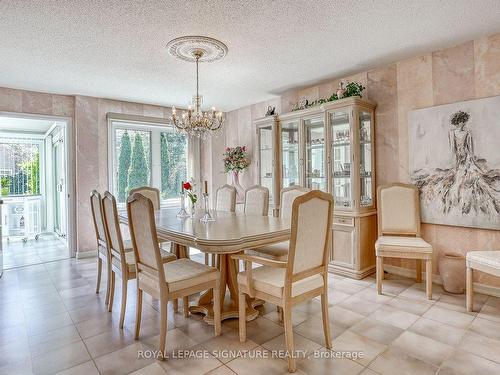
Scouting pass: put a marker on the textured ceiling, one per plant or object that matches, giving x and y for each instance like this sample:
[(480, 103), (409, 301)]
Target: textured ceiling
[(116, 48)]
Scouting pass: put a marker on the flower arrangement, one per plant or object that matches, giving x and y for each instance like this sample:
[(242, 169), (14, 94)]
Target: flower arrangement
[(235, 159), (189, 188), (351, 89)]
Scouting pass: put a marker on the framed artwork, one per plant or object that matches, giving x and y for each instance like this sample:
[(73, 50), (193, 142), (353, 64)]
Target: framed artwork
[(454, 154)]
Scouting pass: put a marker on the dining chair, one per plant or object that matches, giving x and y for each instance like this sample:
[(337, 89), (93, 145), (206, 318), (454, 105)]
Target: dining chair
[(487, 261), (399, 233), (303, 276), (256, 201), (122, 262), (279, 251), (154, 195), (165, 281), (225, 200), (102, 242)]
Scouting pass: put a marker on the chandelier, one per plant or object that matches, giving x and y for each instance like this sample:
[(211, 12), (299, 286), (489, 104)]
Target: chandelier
[(195, 122)]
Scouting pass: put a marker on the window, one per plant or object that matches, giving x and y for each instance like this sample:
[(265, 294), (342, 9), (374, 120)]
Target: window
[(20, 166), (147, 154)]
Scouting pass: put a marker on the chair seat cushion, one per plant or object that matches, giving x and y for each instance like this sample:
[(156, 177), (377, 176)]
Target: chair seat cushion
[(130, 259), (396, 244), (271, 280), (277, 251), (185, 273), (487, 258)]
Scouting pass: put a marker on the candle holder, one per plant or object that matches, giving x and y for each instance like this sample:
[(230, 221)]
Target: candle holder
[(206, 216), (182, 212)]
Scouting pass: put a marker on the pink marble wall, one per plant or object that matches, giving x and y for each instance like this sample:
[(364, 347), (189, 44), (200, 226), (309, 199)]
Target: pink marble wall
[(467, 71)]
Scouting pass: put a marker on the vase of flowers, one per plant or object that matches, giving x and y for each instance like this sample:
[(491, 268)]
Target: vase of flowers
[(191, 193), (235, 161)]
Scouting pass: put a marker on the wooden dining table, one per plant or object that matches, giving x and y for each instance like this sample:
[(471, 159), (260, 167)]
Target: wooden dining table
[(229, 233)]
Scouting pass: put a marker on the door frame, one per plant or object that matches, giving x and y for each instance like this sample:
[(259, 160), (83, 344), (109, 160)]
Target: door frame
[(70, 169)]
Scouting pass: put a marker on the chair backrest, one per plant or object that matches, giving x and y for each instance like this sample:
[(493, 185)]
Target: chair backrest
[(288, 195), (257, 200), (98, 217), (398, 210), (310, 233), (112, 226), (141, 222), (149, 192), (226, 198)]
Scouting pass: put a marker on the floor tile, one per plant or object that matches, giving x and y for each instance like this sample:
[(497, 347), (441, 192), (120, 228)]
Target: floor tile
[(396, 362), (454, 318), (490, 313), (197, 361), (410, 305), (442, 332), (463, 363), (123, 361), (86, 368), (350, 341), (376, 330), (61, 358), (360, 305), (300, 343), (108, 342), (395, 317), (423, 348), (254, 364), (152, 369), (486, 327), (324, 362), (482, 346)]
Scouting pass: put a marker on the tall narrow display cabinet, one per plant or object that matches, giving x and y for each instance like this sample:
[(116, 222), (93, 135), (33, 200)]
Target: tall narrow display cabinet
[(330, 147)]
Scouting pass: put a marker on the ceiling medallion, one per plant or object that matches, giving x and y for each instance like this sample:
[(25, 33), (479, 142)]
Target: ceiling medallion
[(194, 122)]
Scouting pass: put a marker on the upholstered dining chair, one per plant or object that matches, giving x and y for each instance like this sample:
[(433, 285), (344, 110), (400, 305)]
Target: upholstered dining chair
[(487, 261), (303, 276), (399, 231), (122, 262), (225, 198), (165, 281), (154, 195), (256, 201), (102, 242), (279, 251)]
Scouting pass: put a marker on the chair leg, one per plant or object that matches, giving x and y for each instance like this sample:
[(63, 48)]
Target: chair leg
[(213, 260), (287, 322), (185, 305), (138, 313), (99, 271), (418, 271), (326, 320), (380, 274), (217, 308), (279, 310), (428, 278), (111, 291), (124, 299), (469, 290), (108, 283), (206, 259), (242, 308), (175, 304), (163, 327)]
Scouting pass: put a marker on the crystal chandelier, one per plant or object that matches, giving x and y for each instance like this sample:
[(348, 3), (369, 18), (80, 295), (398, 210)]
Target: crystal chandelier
[(195, 122)]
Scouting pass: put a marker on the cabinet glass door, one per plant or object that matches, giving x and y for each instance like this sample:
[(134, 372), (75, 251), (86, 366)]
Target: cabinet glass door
[(365, 159), (315, 154), (290, 153), (266, 158), (341, 159)]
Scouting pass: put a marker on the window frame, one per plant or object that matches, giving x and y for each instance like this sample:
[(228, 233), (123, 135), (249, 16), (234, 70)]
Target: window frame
[(155, 126)]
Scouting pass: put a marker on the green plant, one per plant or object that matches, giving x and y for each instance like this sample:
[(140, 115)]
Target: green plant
[(353, 89), (123, 166), (139, 172), (32, 170), (235, 159), (5, 182)]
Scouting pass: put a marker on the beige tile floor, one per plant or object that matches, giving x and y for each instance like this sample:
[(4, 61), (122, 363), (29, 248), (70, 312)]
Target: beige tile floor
[(51, 321)]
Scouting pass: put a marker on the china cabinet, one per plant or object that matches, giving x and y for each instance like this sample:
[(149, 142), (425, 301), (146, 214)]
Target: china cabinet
[(329, 147)]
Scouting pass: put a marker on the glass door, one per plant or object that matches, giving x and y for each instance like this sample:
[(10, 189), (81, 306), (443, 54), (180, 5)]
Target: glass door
[(365, 159), (315, 153), (341, 159), (59, 188), (265, 134), (290, 153)]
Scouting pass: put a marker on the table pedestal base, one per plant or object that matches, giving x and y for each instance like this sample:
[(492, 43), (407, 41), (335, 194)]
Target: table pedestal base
[(229, 306)]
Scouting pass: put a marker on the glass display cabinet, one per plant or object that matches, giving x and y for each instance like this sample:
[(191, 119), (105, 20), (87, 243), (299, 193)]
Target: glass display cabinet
[(329, 147)]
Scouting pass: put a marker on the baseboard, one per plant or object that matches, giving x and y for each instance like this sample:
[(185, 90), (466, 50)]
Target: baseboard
[(86, 254), (478, 287)]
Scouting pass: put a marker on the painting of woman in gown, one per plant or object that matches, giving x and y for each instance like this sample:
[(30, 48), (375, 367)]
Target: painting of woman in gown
[(468, 187)]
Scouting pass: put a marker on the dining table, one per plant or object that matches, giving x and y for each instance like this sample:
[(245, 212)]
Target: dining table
[(229, 233)]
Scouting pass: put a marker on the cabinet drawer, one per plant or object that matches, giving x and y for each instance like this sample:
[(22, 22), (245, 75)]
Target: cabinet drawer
[(343, 220)]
